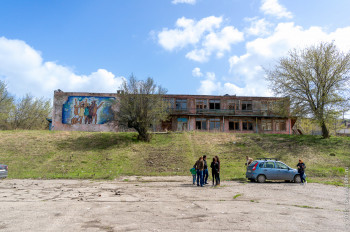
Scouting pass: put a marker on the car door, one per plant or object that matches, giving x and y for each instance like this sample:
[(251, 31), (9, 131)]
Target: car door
[(283, 172), (269, 170)]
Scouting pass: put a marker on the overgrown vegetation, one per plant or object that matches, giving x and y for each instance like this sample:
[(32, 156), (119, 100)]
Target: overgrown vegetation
[(58, 154), (25, 113)]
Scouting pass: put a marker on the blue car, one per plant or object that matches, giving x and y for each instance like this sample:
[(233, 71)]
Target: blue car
[(271, 169)]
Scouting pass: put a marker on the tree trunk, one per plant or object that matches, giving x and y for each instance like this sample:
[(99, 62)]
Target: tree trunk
[(325, 131), (143, 135)]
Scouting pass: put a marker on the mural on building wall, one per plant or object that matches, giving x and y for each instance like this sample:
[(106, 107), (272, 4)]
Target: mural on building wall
[(87, 110)]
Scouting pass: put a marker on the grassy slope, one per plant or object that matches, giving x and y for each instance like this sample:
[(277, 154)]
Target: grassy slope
[(44, 154)]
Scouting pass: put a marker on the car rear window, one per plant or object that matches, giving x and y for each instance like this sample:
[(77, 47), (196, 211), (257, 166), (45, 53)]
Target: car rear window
[(253, 163)]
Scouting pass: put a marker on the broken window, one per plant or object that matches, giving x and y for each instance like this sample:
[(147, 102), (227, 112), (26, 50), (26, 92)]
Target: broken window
[(233, 125), (247, 105), (247, 125), (233, 104), (214, 124), (201, 103), (214, 104), (201, 124), (280, 125), (266, 125), (182, 124), (181, 104), (169, 102)]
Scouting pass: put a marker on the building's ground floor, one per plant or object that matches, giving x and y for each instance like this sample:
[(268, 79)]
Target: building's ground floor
[(229, 124)]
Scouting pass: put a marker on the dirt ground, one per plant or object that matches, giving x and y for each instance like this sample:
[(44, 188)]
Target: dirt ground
[(168, 204)]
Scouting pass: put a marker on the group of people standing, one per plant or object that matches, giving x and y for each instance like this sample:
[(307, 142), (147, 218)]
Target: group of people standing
[(200, 171)]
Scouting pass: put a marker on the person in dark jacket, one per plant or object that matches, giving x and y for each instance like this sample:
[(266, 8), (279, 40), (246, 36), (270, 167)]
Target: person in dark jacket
[(200, 167), (218, 174), (301, 170), (214, 171), (205, 171)]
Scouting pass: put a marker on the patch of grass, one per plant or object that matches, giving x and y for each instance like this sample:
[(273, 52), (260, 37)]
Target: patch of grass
[(307, 207), (105, 155), (237, 195)]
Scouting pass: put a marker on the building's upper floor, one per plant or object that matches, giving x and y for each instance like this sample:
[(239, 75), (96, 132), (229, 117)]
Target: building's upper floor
[(227, 105)]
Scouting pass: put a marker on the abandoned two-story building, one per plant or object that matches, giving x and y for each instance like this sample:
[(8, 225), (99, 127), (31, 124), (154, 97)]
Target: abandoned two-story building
[(74, 111)]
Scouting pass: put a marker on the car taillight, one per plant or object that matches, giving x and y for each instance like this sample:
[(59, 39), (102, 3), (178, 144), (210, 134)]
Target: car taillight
[(255, 166)]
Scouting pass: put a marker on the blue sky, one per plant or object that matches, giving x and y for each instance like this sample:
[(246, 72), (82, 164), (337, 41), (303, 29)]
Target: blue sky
[(187, 46)]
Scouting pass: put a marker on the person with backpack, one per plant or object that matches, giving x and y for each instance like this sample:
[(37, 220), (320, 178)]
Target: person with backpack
[(301, 170), (194, 173)]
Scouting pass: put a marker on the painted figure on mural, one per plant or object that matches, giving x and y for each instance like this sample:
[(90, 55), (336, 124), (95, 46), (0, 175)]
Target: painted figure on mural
[(81, 111), (75, 118), (88, 117), (93, 110)]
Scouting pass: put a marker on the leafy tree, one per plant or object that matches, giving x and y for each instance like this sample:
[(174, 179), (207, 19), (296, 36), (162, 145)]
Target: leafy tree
[(317, 81), (31, 113), (141, 105), (6, 105)]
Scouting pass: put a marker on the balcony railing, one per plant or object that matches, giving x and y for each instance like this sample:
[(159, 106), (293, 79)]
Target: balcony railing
[(221, 112)]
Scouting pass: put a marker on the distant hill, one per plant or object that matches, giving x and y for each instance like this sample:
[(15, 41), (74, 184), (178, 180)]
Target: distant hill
[(59, 154)]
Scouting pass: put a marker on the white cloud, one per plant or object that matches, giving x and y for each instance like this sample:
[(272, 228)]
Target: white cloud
[(258, 27), (206, 36), (262, 52), (192, 2), (199, 55), (221, 41), (209, 85), (272, 7), (187, 32), (24, 71), (196, 72)]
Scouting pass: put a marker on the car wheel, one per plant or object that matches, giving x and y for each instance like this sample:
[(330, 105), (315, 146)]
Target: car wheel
[(261, 178), (297, 179)]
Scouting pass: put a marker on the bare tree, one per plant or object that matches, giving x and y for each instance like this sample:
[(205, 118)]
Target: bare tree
[(141, 105), (317, 81)]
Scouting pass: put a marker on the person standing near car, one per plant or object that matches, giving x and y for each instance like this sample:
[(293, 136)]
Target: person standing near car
[(205, 171), (301, 170), (248, 161), (200, 167)]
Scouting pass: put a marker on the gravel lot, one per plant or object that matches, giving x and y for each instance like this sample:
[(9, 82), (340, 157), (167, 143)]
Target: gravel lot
[(168, 204)]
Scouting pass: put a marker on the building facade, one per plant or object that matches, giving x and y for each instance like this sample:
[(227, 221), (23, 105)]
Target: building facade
[(235, 114), (232, 114)]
